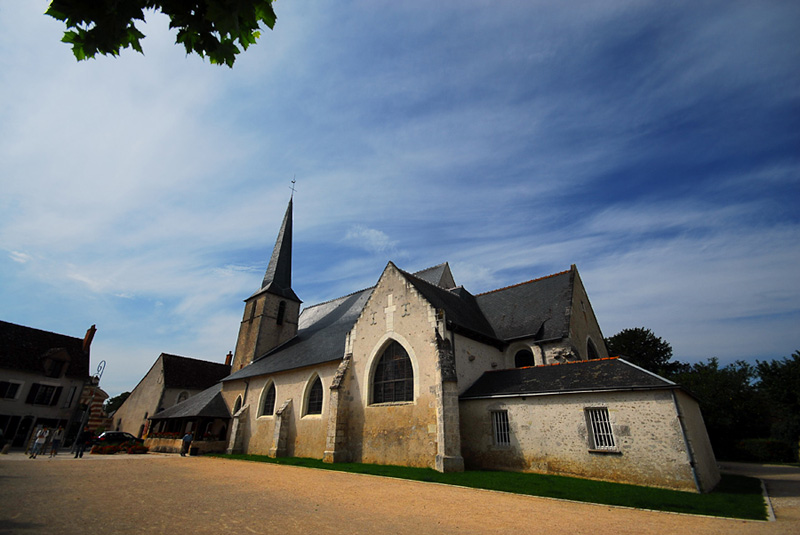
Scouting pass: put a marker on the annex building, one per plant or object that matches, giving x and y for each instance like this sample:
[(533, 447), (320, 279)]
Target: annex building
[(418, 371)]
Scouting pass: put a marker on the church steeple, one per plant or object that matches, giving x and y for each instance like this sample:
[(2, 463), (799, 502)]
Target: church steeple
[(278, 278), (271, 314)]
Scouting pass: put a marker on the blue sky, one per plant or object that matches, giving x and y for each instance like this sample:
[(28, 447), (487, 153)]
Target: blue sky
[(655, 145)]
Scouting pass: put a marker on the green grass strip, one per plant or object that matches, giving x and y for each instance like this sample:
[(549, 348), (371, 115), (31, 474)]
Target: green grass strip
[(734, 497)]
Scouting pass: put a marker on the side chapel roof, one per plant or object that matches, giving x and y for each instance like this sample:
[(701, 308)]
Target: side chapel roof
[(207, 404), (193, 374), (537, 308), (581, 376)]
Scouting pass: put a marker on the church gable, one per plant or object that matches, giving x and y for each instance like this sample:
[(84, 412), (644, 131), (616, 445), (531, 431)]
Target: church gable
[(387, 422)]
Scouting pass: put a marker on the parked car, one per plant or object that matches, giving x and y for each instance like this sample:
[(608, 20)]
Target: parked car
[(116, 437)]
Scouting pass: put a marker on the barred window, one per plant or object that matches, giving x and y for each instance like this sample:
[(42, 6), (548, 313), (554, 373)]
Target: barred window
[(500, 428), (394, 376), (601, 435), (315, 398), (268, 408)]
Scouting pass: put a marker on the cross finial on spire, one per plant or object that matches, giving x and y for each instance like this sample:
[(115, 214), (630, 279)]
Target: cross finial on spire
[(292, 186)]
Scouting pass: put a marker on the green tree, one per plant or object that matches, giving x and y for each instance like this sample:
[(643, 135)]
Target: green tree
[(731, 405), (212, 28), (112, 404), (643, 348), (779, 382)]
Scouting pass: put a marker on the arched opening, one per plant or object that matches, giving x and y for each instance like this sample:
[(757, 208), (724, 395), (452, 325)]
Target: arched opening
[(314, 401), (183, 396), (393, 379), (237, 405), (524, 358), (268, 404), (591, 350)]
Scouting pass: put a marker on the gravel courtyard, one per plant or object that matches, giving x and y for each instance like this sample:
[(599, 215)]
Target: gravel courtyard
[(158, 493)]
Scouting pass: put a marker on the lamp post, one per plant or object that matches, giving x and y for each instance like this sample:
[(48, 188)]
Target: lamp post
[(100, 368)]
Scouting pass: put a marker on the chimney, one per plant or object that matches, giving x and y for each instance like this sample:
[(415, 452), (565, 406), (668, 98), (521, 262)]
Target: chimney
[(87, 340), (228, 358)]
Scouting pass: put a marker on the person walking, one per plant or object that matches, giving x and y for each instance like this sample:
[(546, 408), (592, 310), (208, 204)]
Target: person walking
[(58, 436), (185, 443), (83, 440), (38, 444)]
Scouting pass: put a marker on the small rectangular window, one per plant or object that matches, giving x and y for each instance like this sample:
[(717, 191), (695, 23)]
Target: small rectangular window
[(500, 428), (601, 435), (9, 390)]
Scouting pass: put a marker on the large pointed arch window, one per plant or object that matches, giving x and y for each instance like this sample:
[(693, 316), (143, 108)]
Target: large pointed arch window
[(314, 405), (394, 376), (268, 406)]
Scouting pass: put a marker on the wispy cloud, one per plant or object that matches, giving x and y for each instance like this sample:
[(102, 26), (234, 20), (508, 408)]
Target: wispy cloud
[(654, 145)]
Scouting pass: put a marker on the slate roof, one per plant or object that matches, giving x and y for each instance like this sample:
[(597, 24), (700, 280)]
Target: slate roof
[(437, 275), (194, 374), (23, 348), (206, 404), (320, 338), (581, 376), (460, 306), (278, 278), (537, 308)]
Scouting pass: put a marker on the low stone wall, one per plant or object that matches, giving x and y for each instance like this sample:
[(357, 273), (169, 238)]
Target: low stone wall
[(172, 445)]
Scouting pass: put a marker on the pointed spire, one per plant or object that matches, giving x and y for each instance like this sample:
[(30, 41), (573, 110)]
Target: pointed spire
[(278, 278)]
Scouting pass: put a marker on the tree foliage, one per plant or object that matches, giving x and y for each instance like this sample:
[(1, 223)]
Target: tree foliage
[(112, 404), (731, 405), (779, 381), (643, 348), (210, 28)]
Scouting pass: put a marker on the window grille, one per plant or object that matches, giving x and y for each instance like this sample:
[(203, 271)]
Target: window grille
[(600, 431), (315, 398), (394, 376), (502, 432)]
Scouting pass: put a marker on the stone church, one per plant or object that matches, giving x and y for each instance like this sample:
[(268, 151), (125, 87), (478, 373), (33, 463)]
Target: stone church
[(418, 371)]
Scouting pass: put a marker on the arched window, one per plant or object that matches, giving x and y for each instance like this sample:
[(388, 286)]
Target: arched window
[(394, 376), (183, 396), (268, 407), (314, 404), (237, 405), (523, 358), (281, 312), (591, 351)]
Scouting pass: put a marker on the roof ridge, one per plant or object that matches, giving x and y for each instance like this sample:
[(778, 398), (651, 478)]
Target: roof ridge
[(556, 364), (526, 282), (191, 358), (340, 297)]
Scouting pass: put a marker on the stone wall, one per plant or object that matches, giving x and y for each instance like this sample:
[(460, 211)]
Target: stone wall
[(549, 434)]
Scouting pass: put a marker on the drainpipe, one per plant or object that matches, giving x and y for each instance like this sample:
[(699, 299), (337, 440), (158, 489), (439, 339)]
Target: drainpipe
[(689, 451)]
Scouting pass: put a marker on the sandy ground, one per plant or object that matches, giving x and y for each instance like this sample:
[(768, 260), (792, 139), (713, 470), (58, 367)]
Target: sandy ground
[(158, 493)]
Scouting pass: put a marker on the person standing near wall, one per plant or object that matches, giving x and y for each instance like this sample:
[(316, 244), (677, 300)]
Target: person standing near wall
[(58, 437), (38, 444)]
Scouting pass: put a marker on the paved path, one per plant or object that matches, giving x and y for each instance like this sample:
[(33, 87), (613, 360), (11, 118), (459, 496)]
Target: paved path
[(159, 493)]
